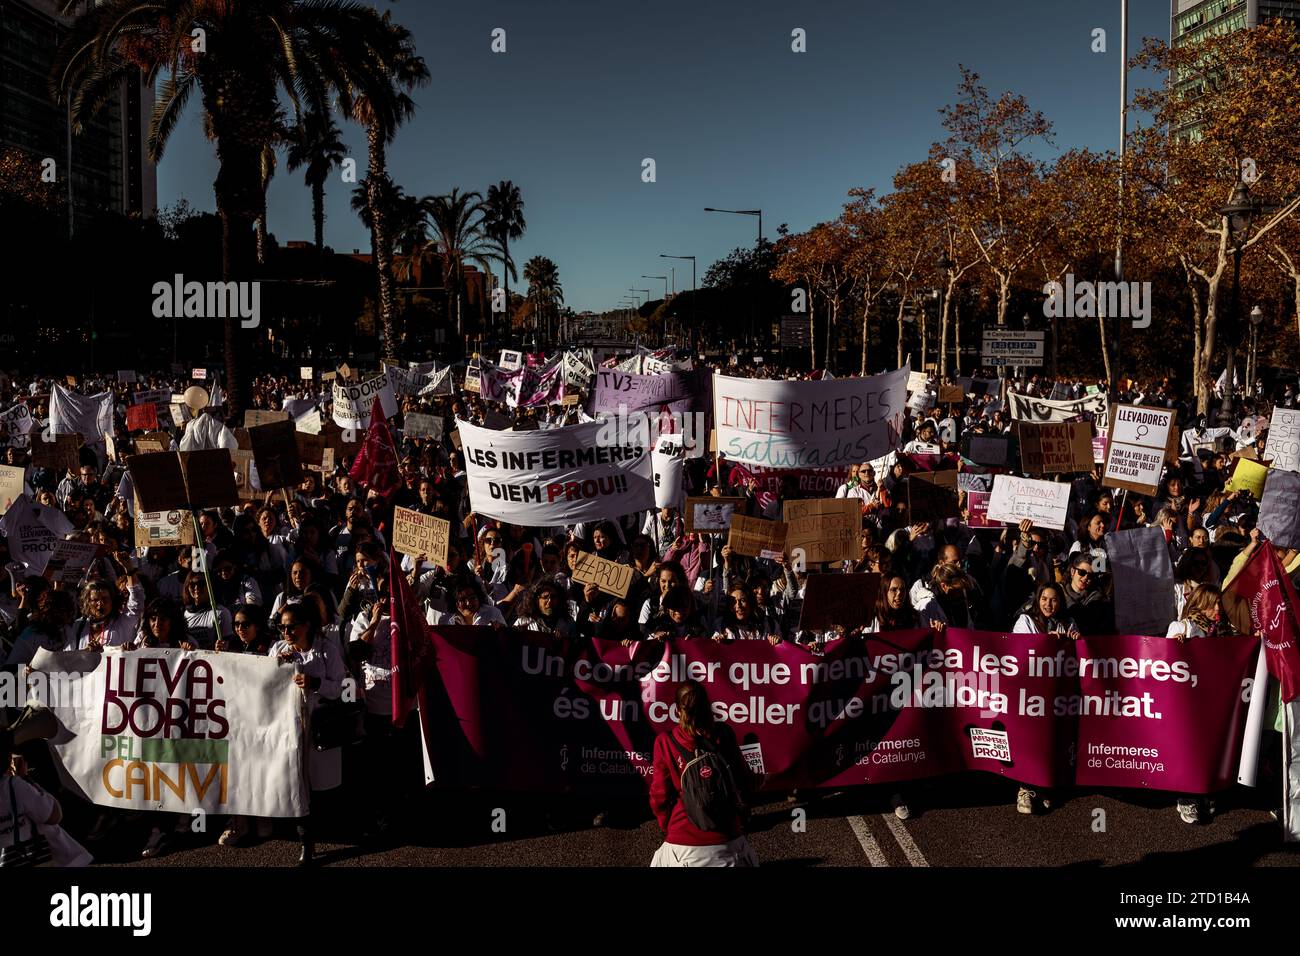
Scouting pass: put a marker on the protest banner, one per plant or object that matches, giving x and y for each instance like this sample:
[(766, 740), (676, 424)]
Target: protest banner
[(1014, 499), (11, 486), (668, 462), (254, 417), (823, 529), (178, 731), (793, 424), (32, 531), (556, 476), (17, 420), (167, 481), (977, 510), (680, 392), (609, 576), (162, 529), (839, 600), (418, 534), (1279, 508), (352, 402), (146, 445), (709, 515), (89, 416), (69, 561), (141, 418), (1248, 475), (1136, 447), (989, 450), (415, 425), (61, 455), (1048, 448), (311, 449), (1144, 580), (1283, 445), (757, 537), (126, 376), (930, 502), (1109, 711), (1029, 408), (275, 452)]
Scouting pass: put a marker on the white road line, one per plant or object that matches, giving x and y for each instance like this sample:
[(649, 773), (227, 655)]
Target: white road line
[(910, 849), (875, 856)]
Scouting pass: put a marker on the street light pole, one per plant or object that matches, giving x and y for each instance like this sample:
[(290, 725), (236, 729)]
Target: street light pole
[(758, 249), (694, 295)]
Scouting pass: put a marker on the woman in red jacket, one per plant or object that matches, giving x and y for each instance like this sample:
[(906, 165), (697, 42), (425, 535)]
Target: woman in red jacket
[(685, 843)]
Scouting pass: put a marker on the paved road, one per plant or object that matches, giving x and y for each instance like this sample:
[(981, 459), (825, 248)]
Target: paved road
[(965, 821)]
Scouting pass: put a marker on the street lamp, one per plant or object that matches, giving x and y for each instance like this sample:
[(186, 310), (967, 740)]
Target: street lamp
[(753, 306), (1238, 215), (665, 282), (1252, 372), (694, 325)]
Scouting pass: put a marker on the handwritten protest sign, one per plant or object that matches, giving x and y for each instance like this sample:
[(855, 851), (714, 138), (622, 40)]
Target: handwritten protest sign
[(1283, 445), (1249, 476), (1048, 448), (846, 600), (951, 394), (275, 451), (610, 576), (69, 560), (1014, 499), (709, 515), (262, 416), (420, 534), (825, 529), (11, 486), (1136, 449), (352, 402), (141, 417), (1029, 408), (60, 455), (757, 537), (416, 425)]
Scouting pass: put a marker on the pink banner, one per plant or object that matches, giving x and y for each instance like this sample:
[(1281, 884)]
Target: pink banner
[(522, 710)]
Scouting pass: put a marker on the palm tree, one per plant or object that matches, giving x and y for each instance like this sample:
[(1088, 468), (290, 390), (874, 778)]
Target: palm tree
[(457, 220), (544, 288), (376, 99), (316, 146), (504, 210), (253, 53), (268, 163)]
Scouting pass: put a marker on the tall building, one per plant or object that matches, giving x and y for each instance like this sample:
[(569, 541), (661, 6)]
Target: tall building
[(1191, 20), (110, 168)]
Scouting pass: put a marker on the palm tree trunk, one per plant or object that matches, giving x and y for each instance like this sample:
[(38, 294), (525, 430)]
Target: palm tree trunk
[(318, 221), (505, 280), (383, 242), (237, 190)]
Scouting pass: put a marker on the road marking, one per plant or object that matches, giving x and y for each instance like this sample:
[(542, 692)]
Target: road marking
[(875, 856), (910, 849)]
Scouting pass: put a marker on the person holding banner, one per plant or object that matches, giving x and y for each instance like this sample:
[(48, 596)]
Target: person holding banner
[(740, 622), (1048, 614), (319, 673), (545, 609), (106, 622), (470, 610), (204, 624)]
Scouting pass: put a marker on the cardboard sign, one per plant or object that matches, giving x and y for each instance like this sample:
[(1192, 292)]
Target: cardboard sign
[(825, 529), (168, 481), (422, 426), (608, 576), (180, 415), (917, 381), (977, 510), (951, 395), (345, 372), (1249, 476), (241, 463), (262, 416), (328, 376), (420, 534), (1144, 581), (126, 376), (60, 454), (847, 600), (275, 452), (141, 418), (1014, 499), (930, 502), (1283, 444), (145, 446), (311, 449), (988, 449), (327, 460), (306, 373), (757, 537), (11, 486), (1279, 508), (456, 439), (948, 478), (1050, 448), (1136, 448), (162, 529), (69, 561), (570, 399), (709, 515)]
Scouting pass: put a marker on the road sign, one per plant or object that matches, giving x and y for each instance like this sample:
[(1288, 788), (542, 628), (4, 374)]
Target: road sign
[(794, 332), (1006, 347)]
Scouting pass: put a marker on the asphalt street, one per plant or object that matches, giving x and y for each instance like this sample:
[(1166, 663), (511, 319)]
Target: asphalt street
[(956, 821)]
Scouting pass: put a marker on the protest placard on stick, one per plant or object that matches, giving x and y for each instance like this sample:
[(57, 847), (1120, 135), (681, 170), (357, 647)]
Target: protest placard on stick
[(608, 576), (177, 480), (1048, 448), (275, 451), (420, 534), (825, 529), (709, 515), (11, 486), (846, 600), (757, 537), (1014, 499)]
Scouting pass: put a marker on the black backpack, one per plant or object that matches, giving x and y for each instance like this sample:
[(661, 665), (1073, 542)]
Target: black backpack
[(708, 792)]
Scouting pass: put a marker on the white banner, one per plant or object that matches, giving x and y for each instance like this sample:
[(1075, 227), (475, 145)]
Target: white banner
[(90, 416), (178, 731), (33, 532), (1283, 447), (353, 401), (1045, 503), (556, 476), (439, 383), (17, 420), (780, 424), (669, 463), (1030, 409)]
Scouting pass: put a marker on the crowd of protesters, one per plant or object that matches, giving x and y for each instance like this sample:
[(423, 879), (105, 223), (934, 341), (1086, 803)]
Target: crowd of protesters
[(304, 575)]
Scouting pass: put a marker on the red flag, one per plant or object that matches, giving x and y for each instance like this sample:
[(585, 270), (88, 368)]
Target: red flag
[(1270, 597), (376, 464), (411, 647)]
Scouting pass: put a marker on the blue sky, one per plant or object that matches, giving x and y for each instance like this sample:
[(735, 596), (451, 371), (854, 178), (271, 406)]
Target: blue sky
[(713, 93)]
